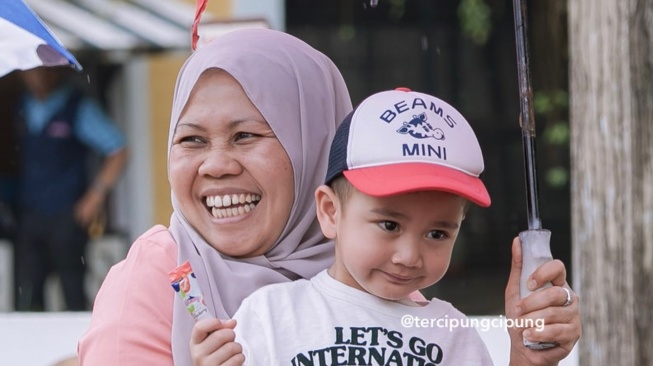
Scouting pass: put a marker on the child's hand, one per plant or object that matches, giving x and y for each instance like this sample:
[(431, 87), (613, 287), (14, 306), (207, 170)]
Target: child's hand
[(212, 343), (562, 323)]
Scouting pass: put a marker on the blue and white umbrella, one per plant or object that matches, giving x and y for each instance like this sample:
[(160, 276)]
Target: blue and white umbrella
[(26, 42)]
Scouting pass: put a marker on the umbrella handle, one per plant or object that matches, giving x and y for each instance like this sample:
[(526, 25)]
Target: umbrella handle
[(536, 251)]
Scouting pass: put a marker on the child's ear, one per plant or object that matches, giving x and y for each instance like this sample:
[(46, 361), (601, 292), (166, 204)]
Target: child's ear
[(327, 206)]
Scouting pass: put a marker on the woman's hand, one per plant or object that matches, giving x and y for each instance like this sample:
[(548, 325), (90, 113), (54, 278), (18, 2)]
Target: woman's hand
[(213, 343), (561, 319)]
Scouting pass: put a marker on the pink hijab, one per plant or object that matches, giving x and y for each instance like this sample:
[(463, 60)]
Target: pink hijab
[(303, 97)]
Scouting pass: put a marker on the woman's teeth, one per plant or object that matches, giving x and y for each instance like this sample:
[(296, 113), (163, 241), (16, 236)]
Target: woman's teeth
[(225, 206)]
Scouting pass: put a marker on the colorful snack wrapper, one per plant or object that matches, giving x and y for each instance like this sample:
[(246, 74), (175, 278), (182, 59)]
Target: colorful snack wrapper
[(183, 281)]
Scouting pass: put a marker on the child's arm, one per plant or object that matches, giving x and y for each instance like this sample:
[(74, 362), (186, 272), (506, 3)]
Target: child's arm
[(212, 343), (562, 323)]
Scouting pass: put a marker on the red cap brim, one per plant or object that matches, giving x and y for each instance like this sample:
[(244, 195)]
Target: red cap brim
[(393, 179)]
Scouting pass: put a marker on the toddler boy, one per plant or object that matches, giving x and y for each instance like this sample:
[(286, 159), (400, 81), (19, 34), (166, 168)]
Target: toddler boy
[(402, 168)]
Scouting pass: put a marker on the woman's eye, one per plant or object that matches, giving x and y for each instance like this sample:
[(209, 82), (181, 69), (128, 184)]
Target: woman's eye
[(437, 234), (243, 135), (191, 139), (389, 225)]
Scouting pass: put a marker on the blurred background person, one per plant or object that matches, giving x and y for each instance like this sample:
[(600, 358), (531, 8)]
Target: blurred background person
[(58, 197)]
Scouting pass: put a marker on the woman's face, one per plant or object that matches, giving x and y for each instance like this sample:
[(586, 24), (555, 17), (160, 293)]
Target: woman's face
[(232, 178)]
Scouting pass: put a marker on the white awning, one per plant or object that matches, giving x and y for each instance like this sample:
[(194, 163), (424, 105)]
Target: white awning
[(119, 25)]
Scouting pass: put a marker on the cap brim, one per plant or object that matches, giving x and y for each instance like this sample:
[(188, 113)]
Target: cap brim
[(393, 179)]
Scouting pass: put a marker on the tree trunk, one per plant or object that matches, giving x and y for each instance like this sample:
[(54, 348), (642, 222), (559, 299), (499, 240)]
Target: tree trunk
[(611, 90)]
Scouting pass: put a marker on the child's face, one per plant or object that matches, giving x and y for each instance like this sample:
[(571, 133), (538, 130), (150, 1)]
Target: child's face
[(392, 246)]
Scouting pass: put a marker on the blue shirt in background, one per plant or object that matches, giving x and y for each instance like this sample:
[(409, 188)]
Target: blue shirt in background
[(92, 126)]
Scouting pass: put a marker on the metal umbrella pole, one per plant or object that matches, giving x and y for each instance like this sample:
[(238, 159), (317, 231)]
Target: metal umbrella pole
[(535, 241)]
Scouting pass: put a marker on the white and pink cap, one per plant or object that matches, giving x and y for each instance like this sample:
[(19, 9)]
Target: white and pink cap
[(401, 141)]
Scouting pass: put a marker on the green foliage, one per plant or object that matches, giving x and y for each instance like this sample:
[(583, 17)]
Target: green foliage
[(557, 176), (557, 133), (551, 105), (346, 32), (542, 103), (546, 102), (397, 9), (475, 19), (561, 98)]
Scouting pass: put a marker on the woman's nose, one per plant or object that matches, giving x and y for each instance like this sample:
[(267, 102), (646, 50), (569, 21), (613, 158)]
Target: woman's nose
[(218, 163)]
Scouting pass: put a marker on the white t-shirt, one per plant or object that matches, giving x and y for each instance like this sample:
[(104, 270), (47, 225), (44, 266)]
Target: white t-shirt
[(324, 322)]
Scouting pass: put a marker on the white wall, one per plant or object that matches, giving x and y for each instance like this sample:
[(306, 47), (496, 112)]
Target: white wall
[(6, 277), (40, 339), (133, 198)]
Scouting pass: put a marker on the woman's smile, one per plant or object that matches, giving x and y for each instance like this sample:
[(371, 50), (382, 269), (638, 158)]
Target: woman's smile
[(223, 206)]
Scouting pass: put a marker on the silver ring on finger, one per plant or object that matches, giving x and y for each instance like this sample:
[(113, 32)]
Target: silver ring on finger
[(569, 299)]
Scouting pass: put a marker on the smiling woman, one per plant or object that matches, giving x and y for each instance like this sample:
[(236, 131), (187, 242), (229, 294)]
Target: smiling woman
[(248, 146), (221, 151)]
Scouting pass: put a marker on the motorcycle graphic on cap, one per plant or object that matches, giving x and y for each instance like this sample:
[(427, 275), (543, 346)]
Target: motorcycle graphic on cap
[(419, 128)]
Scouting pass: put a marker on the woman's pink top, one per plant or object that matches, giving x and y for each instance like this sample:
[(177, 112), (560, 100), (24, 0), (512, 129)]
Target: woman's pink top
[(132, 315)]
